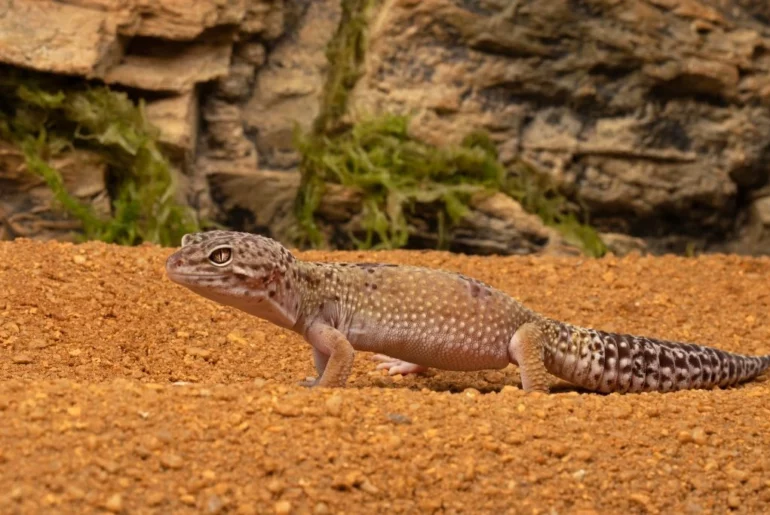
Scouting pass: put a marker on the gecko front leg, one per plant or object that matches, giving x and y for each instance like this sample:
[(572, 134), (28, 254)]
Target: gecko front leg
[(319, 360), (332, 354), (397, 366)]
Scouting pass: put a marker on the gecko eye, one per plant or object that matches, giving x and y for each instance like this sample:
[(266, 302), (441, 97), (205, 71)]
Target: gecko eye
[(221, 256)]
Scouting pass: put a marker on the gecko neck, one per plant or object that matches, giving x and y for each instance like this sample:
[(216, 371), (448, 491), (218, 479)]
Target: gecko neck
[(280, 302), (306, 285)]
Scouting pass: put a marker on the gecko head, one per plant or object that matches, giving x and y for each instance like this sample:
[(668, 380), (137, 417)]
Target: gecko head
[(247, 271)]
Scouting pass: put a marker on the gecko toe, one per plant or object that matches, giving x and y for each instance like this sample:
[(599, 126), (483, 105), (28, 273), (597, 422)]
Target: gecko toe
[(308, 382), (397, 366)]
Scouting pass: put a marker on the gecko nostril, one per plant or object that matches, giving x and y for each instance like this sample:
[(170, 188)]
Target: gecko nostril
[(174, 263)]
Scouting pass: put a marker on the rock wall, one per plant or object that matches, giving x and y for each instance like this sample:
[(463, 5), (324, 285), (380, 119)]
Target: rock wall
[(178, 55), (654, 115), (26, 202)]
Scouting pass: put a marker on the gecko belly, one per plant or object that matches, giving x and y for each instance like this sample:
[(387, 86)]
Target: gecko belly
[(443, 353)]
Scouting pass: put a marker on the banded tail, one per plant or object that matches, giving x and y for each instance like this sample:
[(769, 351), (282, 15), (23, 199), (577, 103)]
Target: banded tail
[(610, 362)]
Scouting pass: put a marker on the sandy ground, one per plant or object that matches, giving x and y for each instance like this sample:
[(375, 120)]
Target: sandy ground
[(93, 337)]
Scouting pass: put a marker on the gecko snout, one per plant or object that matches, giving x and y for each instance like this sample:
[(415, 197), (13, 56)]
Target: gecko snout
[(173, 262)]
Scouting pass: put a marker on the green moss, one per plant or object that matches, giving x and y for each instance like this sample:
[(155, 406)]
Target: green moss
[(345, 53), (539, 196), (397, 172), (46, 116)]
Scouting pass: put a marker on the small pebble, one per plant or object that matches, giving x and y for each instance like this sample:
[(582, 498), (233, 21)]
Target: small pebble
[(198, 352), (288, 409), (398, 418), (559, 450), (510, 390), (583, 455), (235, 338), (642, 499), (107, 465), (282, 508), (12, 327), (699, 436), (368, 487), (394, 441), (114, 503), (39, 344), (274, 486), (334, 405), (246, 509), (171, 461), (738, 475), (214, 504), (22, 359), (155, 498)]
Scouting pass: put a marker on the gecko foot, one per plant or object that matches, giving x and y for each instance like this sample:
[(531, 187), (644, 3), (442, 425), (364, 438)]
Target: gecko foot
[(396, 366)]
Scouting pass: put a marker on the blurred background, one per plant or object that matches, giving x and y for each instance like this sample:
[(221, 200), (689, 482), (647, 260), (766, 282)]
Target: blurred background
[(477, 126)]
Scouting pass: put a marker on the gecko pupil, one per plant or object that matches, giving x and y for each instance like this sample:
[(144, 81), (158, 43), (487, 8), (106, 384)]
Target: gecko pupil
[(220, 256)]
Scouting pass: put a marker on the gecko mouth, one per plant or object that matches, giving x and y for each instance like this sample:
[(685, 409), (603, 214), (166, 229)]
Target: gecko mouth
[(182, 274), (184, 277)]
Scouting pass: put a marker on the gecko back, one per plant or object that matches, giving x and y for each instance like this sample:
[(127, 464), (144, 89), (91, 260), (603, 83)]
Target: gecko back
[(429, 317)]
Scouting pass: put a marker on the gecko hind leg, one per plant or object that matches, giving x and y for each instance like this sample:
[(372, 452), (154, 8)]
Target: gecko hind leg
[(397, 366), (527, 350)]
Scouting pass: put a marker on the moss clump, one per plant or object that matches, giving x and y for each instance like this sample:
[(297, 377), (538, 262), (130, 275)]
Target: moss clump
[(345, 53), (537, 195), (397, 172), (45, 116)]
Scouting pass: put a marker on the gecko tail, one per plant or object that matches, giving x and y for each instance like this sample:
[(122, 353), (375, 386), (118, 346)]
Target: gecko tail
[(764, 364), (611, 362)]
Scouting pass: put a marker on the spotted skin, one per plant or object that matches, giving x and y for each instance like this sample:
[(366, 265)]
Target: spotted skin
[(416, 318), (608, 362)]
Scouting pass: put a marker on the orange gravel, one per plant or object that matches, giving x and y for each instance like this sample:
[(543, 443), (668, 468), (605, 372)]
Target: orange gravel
[(94, 337)]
